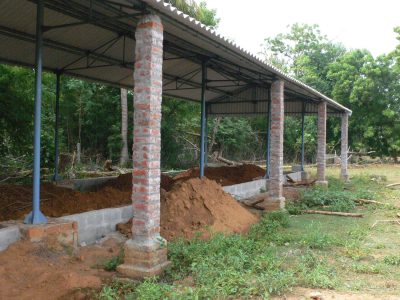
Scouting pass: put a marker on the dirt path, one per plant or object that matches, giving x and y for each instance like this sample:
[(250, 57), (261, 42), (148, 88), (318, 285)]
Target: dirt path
[(304, 294)]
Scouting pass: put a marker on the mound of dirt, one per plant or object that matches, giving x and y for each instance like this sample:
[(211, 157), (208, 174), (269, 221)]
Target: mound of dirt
[(16, 200), (124, 182), (225, 175), (37, 271), (197, 205), (187, 204)]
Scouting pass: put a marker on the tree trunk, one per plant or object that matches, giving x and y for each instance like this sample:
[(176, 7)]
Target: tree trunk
[(214, 134), (124, 127)]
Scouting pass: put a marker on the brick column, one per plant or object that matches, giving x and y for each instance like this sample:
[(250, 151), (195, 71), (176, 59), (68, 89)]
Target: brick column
[(344, 147), (275, 182), (321, 147), (146, 252)]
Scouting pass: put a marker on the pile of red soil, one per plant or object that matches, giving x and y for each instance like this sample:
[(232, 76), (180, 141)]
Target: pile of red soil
[(199, 205), (194, 204), (225, 175), (16, 200), (38, 271), (124, 182), (187, 204)]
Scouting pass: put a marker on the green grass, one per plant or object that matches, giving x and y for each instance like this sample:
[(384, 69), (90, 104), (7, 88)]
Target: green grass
[(284, 251)]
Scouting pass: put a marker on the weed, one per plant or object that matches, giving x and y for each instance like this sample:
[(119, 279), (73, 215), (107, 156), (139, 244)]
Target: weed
[(366, 268), (316, 240), (113, 263), (150, 289), (354, 251), (336, 200), (281, 217), (393, 260), (315, 272), (116, 290)]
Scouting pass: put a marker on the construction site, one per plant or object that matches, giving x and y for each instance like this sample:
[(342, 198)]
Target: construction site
[(64, 229)]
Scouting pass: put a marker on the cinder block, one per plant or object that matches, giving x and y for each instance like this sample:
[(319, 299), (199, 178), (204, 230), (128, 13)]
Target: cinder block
[(94, 217), (8, 236), (127, 212), (112, 215)]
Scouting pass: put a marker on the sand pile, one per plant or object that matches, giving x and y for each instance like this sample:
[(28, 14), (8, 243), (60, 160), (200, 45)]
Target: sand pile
[(225, 175), (199, 206)]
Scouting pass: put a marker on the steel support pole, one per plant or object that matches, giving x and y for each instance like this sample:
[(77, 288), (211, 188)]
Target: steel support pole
[(203, 116), (302, 136), (206, 140), (56, 176), (268, 162), (36, 216)]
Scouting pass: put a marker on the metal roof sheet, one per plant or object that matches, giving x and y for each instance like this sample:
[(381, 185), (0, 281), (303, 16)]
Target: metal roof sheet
[(100, 47)]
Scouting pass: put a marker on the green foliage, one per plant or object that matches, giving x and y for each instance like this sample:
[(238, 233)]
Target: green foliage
[(281, 217), (366, 268), (199, 11), (316, 240), (114, 262), (393, 260), (116, 290), (336, 200), (367, 85), (315, 272)]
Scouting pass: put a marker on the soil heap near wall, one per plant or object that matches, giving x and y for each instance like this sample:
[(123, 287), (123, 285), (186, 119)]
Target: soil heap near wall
[(225, 175), (201, 205), (187, 204)]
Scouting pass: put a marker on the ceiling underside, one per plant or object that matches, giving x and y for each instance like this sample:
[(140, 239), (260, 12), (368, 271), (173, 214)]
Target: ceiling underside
[(94, 40)]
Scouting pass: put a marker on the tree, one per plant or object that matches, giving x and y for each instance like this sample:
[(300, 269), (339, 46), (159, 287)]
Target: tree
[(304, 53), (124, 127), (198, 11)]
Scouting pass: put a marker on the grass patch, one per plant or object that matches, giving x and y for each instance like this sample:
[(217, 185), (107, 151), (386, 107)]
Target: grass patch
[(366, 268)]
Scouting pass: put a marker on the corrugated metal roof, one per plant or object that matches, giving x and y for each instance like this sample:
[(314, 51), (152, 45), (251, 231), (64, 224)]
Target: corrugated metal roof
[(101, 48)]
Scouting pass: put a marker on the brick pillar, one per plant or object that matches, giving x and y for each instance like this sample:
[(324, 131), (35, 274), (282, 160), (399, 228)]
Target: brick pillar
[(321, 148), (146, 252), (344, 147), (275, 182)]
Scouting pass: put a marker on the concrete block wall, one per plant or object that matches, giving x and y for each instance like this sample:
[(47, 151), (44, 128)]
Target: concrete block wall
[(246, 189), (90, 184), (9, 235), (93, 225)]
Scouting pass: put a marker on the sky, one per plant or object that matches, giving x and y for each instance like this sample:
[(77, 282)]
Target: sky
[(354, 23)]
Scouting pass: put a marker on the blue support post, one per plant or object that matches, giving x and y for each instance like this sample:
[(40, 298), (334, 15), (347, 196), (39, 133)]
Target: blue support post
[(268, 162), (302, 136), (203, 116), (56, 176), (36, 216), (206, 140)]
